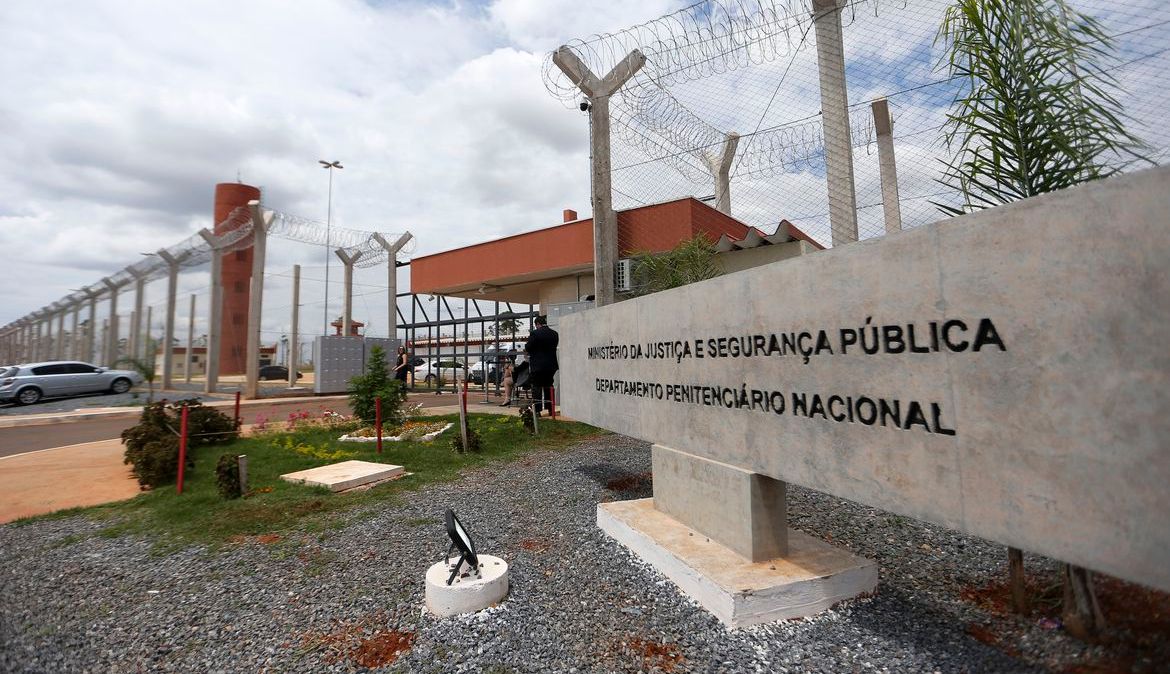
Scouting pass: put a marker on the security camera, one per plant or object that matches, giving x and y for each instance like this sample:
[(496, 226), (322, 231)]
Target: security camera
[(584, 106)]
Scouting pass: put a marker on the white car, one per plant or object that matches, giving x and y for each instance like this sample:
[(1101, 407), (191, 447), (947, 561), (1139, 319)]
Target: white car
[(450, 370), (27, 384)]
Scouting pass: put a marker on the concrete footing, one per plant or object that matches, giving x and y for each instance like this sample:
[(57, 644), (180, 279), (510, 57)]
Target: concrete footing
[(469, 592), (809, 579), (345, 475)]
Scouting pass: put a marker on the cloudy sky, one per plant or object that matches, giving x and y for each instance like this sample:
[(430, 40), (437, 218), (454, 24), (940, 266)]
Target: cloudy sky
[(118, 118)]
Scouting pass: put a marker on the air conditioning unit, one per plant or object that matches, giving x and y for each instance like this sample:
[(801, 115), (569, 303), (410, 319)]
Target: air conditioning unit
[(623, 280)]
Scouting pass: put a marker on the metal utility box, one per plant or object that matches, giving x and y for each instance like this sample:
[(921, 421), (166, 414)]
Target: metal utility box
[(337, 359), (556, 311)]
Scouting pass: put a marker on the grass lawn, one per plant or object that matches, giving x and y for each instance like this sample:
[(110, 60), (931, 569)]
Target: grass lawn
[(200, 515)]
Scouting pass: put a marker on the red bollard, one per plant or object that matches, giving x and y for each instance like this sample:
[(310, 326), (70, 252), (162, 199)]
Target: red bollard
[(378, 420), (182, 449), (552, 399), (237, 409)]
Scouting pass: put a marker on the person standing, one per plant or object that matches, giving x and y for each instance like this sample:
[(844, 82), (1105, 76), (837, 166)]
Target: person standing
[(402, 366), (508, 382), (542, 362)]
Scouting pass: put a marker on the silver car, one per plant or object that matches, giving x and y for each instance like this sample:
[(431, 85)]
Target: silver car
[(27, 384)]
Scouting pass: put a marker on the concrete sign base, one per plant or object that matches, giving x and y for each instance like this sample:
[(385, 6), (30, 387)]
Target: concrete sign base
[(344, 475), (811, 578), (467, 593)]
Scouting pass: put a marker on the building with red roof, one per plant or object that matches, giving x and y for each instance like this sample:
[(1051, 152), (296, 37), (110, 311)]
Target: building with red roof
[(555, 264)]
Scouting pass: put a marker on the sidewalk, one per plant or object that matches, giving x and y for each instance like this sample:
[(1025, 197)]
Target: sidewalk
[(66, 477), (92, 473)]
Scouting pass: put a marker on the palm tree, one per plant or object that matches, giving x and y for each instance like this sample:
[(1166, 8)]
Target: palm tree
[(1035, 110), (1034, 113), (691, 260), (144, 367)]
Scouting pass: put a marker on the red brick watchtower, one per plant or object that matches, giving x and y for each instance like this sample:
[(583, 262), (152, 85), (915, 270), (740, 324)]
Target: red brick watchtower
[(237, 278)]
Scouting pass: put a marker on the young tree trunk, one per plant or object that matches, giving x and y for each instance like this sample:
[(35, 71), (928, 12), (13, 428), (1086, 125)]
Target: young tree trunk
[(1082, 613), (1016, 579)]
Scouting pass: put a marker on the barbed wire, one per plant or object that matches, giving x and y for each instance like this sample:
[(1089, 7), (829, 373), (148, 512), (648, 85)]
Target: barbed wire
[(704, 77), (707, 38)]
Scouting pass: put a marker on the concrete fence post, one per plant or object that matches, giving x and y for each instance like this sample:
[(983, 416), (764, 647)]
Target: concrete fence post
[(883, 126), (169, 329), (598, 91), (260, 223), (59, 350), (45, 347), (133, 320), (74, 335), (294, 349), (91, 326), (835, 120), (134, 342), (347, 261), (392, 249), (720, 167), (111, 337), (38, 347), (214, 313), (190, 342), (146, 334)]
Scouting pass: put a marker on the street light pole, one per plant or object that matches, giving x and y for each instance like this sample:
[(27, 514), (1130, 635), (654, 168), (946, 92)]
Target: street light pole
[(329, 166)]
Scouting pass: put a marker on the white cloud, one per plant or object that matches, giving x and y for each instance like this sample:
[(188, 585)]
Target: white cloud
[(117, 120), (543, 25)]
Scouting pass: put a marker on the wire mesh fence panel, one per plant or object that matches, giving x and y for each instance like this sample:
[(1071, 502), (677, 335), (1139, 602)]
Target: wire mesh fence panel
[(766, 110)]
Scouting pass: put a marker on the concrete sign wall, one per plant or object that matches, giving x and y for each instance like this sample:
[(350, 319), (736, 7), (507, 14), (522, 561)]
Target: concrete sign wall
[(1006, 373)]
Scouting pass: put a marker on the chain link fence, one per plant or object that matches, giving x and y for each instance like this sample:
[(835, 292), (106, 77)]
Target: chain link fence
[(752, 89)]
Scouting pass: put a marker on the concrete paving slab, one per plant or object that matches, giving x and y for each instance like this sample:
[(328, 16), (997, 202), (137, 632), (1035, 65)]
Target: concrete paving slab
[(809, 579), (344, 475)]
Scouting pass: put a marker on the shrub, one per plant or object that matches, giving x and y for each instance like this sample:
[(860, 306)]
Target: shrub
[(206, 425), (155, 462), (473, 441), (227, 476), (375, 383), (152, 446)]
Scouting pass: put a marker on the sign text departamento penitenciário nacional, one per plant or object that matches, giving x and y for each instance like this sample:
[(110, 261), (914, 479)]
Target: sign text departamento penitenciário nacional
[(806, 347)]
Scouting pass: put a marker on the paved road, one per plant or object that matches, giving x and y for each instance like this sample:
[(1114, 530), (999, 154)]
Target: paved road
[(31, 438), (20, 439)]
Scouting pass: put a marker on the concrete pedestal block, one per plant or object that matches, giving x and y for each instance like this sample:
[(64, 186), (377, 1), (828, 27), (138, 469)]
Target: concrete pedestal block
[(345, 475), (743, 510), (809, 579), (467, 593)]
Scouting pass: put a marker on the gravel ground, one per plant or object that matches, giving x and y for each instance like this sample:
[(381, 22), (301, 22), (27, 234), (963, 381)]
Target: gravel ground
[(73, 601)]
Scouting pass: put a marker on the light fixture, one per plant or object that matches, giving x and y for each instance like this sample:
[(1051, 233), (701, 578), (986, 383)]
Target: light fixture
[(461, 541), (329, 166)]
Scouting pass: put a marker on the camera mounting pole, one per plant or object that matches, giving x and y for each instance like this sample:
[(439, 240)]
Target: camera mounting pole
[(598, 91)]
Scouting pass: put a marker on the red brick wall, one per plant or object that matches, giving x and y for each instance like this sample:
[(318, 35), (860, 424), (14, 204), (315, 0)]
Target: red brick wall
[(237, 278)]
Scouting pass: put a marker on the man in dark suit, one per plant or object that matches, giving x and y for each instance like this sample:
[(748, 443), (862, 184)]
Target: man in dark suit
[(542, 362)]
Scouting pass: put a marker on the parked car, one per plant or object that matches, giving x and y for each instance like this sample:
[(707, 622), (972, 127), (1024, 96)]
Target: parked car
[(27, 384), (451, 371), (495, 359), (276, 373)]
